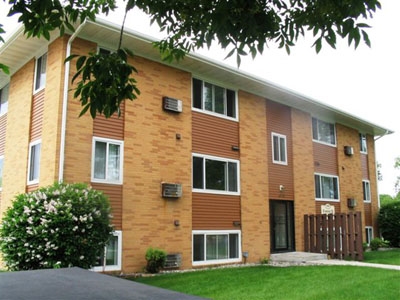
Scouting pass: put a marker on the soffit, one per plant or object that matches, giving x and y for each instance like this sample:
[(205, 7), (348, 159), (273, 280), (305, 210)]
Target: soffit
[(18, 50)]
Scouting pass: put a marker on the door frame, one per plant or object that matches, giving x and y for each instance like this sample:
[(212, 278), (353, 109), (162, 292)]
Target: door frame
[(290, 226)]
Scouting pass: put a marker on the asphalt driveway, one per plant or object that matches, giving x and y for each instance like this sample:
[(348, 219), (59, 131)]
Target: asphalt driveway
[(77, 284)]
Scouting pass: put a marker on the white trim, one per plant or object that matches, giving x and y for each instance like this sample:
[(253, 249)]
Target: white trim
[(43, 85), (216, 158), (5, 87), (279, 136), (121, 160), (372, 233), (211, 113), (31, 144), (366, 181), (217, 261), (360, 143), (118, 266), (1, 174), (338, 188)]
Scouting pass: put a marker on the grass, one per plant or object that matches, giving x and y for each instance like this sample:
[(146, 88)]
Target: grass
[(265, 282), (387, 257)]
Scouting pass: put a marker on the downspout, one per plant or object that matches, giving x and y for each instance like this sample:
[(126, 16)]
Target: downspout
[(65, 104)]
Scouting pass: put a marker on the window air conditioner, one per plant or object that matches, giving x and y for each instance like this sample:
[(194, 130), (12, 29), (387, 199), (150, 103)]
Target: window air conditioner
[(348, 150), (351, 202), (171, 190), (172, 104)]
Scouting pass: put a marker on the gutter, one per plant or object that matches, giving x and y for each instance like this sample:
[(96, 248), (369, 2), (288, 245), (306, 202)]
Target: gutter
[(65, 104)]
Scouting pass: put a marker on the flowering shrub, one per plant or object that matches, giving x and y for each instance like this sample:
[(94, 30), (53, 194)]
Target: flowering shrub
[(58, 226)]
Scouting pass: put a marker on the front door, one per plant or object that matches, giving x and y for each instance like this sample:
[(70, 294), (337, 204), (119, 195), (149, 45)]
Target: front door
[(282, 226)]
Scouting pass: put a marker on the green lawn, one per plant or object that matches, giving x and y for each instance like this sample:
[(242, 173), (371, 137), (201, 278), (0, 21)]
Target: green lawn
[(266, 282), (387, 257)]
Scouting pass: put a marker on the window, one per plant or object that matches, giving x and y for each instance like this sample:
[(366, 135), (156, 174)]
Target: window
[(363, 143), (279, 152), (34, 162), (214, 99), (1, 171), (4, 99), (211, 247), (326, 187), (107, 160), (366, 191), (216, 175), (323, 132), (40, 73), (111, 258), (369, 234)]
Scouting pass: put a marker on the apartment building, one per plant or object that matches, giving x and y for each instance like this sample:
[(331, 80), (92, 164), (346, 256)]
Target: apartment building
[(209, 163)]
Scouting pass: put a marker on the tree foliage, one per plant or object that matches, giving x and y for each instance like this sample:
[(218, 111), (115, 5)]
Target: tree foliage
[(58, 226), (389, 222), (241, 27)]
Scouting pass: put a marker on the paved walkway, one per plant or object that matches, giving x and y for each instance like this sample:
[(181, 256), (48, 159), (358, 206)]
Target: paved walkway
[(338, 262), (306, 258), (78, 284)]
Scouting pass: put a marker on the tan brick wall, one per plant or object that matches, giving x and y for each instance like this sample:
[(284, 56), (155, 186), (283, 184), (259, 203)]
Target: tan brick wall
[(349, 168), (153, 155), (17, 134), (79, 132), (254, 177), (52, 112), (303, 172)]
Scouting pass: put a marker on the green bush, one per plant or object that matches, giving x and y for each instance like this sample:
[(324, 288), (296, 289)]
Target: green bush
[(155, 259), (58, 226), (377, 243), (389, 222)]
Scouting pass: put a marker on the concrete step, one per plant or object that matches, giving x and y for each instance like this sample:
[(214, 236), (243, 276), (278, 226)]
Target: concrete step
[(297, 257)]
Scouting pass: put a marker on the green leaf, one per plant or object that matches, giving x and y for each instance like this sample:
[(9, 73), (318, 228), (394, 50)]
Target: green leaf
[(5, 69)]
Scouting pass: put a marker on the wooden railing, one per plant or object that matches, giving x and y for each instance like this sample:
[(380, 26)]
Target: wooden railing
[(338, 235)]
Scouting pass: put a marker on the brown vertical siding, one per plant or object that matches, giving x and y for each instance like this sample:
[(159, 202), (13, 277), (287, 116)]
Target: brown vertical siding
[(37, 116), (325, 159), (214, 136), (212, 211), (112, 128), (364, 166), (368, 214), (114, 194), (279, 121), (32, 187), (3, 124)]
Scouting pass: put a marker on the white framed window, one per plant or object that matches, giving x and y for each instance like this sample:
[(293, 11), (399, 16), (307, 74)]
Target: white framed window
[(279, 149), (4, 92), (326, 187), (216, 175), (323, 132), (363, 143), (107, 160), (369, 234), (40, 72), (112, 256), (214, 99), (1, 171), (216, 246), (34, 162), (366, 190)]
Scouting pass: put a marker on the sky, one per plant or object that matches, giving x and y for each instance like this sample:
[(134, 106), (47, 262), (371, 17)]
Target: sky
[(363, 82)]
